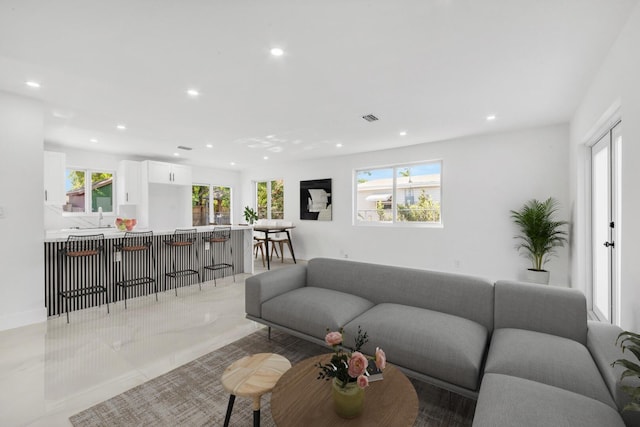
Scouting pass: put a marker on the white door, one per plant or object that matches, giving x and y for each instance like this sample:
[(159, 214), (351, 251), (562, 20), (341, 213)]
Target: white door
[(605, 225)]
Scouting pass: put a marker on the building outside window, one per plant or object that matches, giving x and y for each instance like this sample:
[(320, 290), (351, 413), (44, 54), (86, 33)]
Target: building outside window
[(270, 199), (399, 194), (99, 187)]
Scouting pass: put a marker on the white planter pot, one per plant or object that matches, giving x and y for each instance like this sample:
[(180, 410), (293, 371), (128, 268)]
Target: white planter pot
[(537, 276)]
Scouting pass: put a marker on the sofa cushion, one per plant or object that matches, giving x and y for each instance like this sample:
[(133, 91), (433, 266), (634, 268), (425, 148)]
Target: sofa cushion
[(436, 344), (507, 401), (312, 310), (548, 309), (457, 294), (547, 359)]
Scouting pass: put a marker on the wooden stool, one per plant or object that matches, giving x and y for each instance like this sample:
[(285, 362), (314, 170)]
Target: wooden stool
[(253, 376)]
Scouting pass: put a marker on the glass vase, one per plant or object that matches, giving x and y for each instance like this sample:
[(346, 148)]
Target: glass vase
[(348, 401)]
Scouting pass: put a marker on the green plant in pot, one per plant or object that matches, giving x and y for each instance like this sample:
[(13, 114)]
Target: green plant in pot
[(630, 341), (540, 235), (250, 215)]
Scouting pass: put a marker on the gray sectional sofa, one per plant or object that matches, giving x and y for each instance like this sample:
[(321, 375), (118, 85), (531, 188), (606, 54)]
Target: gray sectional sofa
[(526, 352)]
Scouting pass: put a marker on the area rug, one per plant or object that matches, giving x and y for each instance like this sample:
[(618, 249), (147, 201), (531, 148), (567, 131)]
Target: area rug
[(192, 394)]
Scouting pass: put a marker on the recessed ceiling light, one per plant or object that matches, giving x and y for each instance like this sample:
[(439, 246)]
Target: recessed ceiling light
[(266, 157), (93, 140), (270, 136), (491, 117), (121, 127), (232, 163), (209, 145), (338, 145), (176, 154), (193, 93), (403, 133), (276, 51), (32, 84)]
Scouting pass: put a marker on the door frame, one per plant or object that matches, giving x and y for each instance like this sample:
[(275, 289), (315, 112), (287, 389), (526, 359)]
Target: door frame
[(605, 127)]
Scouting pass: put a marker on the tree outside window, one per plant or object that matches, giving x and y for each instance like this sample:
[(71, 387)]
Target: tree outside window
[(270, 199), (211, 204), (200, 204)]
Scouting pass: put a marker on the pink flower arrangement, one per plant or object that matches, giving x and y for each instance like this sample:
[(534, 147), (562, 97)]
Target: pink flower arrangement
[(349, 367)]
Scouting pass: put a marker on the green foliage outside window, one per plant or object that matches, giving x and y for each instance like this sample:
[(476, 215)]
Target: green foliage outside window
[(276, 196), (426, 210)]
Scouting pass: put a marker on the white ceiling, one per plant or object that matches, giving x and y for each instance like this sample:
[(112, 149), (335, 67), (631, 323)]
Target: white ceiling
[(435, 68)]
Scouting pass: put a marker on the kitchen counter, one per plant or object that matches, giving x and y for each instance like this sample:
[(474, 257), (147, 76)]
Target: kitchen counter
[(112, 232), (241, 241)]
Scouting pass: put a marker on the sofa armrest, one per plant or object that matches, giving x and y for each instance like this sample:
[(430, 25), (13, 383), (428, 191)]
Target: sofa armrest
[(601, 342), (264, 286), (541, 308)]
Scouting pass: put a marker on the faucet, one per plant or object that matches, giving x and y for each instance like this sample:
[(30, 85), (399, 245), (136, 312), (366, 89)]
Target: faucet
[(100, 217)]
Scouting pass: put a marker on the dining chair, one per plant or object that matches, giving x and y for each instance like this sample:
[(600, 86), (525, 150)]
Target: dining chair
[(280, 238)]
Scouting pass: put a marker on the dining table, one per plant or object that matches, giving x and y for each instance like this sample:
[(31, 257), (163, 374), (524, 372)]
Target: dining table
[(272, 229)]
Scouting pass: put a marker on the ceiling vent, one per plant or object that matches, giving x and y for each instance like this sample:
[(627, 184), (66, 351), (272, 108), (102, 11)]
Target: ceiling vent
[(182, 147), (370, 118)]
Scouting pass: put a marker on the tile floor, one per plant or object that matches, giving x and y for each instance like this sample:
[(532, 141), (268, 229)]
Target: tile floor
[(53, 370)]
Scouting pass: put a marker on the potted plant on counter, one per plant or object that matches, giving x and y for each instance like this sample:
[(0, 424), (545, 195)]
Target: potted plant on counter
[(540, 235), (250, 215)]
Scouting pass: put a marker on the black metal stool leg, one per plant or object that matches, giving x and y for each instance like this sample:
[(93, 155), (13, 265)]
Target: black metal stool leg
[(232, 398), (256, 418)]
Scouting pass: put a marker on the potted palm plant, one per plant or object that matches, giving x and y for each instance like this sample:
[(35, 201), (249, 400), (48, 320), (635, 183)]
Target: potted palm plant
[(630, 341), (540, 235)]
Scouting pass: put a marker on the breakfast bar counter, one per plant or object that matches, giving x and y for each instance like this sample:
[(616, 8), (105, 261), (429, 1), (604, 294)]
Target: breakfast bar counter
[(241, 242)]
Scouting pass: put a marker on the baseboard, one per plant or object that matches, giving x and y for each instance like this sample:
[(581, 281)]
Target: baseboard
[(24, 318)]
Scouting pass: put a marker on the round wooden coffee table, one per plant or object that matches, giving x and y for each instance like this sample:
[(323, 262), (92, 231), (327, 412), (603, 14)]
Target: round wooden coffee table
[(300, 399)]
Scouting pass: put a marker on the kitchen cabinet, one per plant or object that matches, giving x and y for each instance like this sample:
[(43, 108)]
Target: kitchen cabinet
[(168, 173), (128, 182), (54, 170)]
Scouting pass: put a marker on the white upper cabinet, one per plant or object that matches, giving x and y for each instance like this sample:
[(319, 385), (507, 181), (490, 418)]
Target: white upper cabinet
[(181, 174), (128, 182), (168, 173), (54, 167)]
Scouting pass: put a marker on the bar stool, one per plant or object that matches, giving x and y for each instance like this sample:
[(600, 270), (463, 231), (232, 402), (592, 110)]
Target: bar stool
[(180, 246), (81, 257), (138, 248), (214, 238)]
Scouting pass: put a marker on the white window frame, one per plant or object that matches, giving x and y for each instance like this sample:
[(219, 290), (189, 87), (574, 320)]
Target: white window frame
[(269, 189), (211, 211), (395, 191)]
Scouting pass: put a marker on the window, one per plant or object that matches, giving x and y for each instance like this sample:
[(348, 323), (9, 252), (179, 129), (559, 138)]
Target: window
[(270, 199), (401, 194), (211, 204), (200, 204), (77, 186)]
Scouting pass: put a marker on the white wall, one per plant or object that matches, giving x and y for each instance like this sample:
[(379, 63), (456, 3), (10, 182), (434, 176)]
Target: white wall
[(21, 200), (484, 177), (617, 83)]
